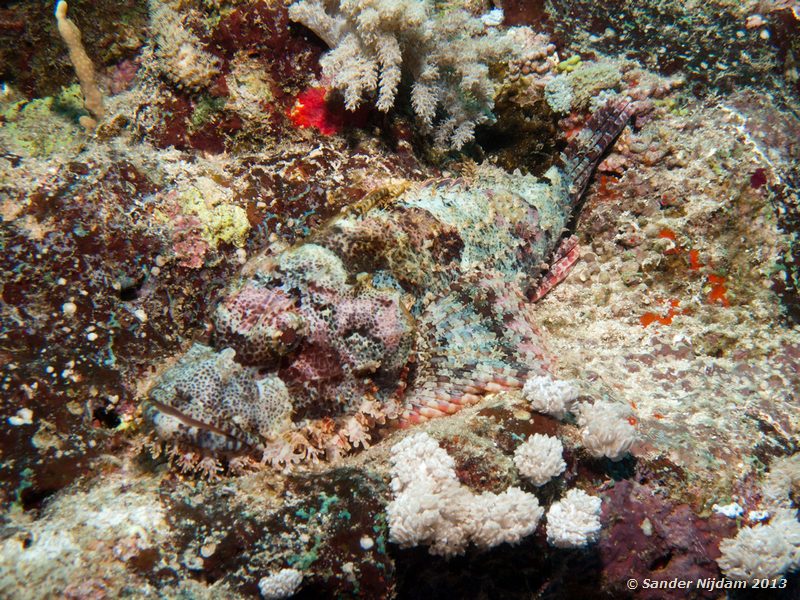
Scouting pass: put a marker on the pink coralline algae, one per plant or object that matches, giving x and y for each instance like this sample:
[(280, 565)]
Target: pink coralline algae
[(121, 76), (187, 242), (408, 308), (649, 538)]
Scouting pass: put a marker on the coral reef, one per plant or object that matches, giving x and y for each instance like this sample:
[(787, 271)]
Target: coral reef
[(716, 45), (123, 518), (34, 59), (431, 507), (376, 361), (108, 238)]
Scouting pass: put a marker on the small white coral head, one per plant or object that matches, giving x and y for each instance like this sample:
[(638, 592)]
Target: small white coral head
[(282, 584), (605, 430), (540, 458), (574, 520), (763, 551), (505, 517), (419, 457), (550, 396)]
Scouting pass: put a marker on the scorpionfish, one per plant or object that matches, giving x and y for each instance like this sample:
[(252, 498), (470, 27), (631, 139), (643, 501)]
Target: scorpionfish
[(409, 307)]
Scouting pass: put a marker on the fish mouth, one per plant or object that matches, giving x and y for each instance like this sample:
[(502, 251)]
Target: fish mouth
[(171, 424)]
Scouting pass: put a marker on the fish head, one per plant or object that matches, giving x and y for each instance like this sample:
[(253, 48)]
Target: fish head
[(211, 401), (261, 322)]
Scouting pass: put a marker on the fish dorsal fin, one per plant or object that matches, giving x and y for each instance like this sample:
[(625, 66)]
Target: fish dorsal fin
[(585, 151)]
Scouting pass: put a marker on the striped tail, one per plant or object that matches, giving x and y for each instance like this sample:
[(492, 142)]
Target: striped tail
[(585, 151)]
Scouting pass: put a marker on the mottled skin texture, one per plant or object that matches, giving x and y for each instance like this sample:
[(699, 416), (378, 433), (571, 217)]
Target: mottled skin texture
[(406, 310)]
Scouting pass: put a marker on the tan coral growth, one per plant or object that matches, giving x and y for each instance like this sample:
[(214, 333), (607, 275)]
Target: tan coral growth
[(180, 54), (92, 96)]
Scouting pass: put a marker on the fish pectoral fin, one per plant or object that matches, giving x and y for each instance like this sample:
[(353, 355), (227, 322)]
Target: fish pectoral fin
[(477, 339)]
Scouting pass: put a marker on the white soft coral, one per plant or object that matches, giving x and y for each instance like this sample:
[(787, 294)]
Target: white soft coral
[(540, 458), (763, 551), (605, 429), (444, 55), (574, 521), (550, 396), (431, 507)]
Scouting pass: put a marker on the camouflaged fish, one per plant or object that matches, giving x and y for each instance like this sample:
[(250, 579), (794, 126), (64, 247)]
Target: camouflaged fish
[(410, 308)]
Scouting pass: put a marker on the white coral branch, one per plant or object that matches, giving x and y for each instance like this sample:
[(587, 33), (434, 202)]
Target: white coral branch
[(445, 55)]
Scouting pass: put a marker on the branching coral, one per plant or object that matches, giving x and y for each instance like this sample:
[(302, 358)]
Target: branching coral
[(446, 56)]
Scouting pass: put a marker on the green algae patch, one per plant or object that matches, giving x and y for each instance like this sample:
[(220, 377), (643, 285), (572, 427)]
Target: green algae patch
[(43, 127), (575, 87), (221, 221), (590, 79), (570, 64), (205, 110)]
